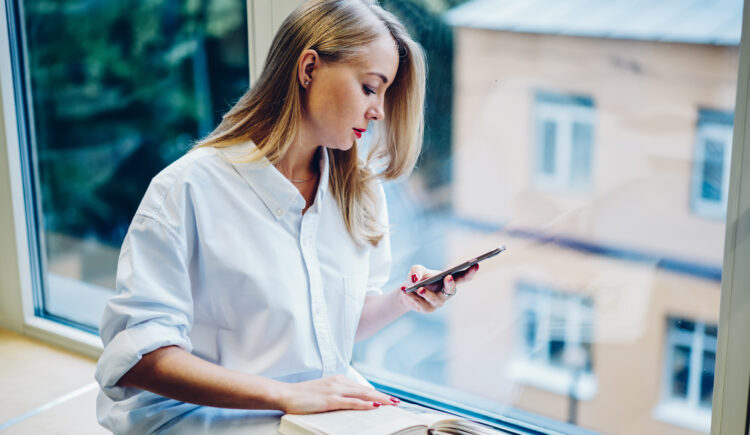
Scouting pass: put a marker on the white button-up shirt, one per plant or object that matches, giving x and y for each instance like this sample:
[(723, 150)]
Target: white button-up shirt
[(220, 260)]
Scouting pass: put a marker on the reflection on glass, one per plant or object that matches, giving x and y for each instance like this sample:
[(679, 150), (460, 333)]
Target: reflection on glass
[(685, 325), (580, 164), (119, 90), (707, 378), (549, 147), (585, 143), (712, 170), (680, 371)]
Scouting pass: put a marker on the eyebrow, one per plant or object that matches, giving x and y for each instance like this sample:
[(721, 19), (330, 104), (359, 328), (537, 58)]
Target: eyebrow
[(382, 77)]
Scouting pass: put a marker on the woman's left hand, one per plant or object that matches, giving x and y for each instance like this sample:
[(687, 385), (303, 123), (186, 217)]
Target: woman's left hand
[(430, 298)]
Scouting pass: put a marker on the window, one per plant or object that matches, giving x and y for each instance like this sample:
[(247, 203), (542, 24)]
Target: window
[(564, 135), (713, 150), (570, 138), (688, 373), (117, 92), (628, 245), (556, 333)]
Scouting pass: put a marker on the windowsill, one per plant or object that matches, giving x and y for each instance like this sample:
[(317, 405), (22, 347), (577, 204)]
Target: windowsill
[(66, 337), (553, 379), (683, 415)]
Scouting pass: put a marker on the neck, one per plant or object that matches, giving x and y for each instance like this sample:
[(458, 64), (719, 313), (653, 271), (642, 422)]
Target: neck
[(299, 163)]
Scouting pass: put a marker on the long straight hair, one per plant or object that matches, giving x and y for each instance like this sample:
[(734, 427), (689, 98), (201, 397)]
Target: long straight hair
[(269, 113)]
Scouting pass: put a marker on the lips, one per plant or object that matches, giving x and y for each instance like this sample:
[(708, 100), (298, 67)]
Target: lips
[(359, 131)]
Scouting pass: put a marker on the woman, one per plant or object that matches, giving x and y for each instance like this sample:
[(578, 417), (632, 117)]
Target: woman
[(255, 260)]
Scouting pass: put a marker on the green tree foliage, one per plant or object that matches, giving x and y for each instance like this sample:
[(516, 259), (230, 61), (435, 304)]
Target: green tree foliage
[(119, 90)]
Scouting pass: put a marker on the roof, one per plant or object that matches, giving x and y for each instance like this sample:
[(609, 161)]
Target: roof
[(716, 22)]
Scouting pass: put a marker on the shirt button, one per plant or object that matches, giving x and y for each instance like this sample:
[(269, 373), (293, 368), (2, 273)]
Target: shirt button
[(279, 212)]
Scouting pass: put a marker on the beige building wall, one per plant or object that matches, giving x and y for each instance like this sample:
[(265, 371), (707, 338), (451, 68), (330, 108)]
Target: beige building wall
[(646, 100)]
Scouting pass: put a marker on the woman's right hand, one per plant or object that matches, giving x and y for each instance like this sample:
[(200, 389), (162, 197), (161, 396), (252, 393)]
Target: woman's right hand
[(328, 394)]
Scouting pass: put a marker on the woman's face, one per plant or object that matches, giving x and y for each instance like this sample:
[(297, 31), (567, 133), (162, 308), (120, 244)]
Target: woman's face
[(343, 97)]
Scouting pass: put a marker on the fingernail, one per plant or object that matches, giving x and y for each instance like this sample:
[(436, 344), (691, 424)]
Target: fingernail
[(414, 278), (394, 400), (421, 290), (449, 278), (376, 404), (403, 287)]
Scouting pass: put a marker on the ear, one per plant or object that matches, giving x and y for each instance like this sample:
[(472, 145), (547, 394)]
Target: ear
[(309, 60)]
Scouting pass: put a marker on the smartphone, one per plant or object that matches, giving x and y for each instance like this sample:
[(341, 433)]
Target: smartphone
[(437, 280)]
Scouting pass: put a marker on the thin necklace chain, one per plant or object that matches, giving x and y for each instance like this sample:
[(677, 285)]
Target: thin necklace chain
[(298, 181), (302, 181)]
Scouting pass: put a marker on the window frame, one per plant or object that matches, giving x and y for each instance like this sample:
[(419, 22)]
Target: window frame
[(685, 412), (732, 373), (564, 111), (541, 372)]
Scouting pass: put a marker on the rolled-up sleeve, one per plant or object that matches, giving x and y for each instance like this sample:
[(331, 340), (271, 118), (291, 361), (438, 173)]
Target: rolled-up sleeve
[(153, 306), (380, 257)]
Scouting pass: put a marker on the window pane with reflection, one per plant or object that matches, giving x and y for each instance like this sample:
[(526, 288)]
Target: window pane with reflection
[(593, 139), (119, 89)]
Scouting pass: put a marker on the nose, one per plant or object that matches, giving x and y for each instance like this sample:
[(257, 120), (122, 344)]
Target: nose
[(376, 112)]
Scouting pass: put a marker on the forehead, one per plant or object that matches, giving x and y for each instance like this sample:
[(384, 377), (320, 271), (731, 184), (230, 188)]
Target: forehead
[(379, 56)]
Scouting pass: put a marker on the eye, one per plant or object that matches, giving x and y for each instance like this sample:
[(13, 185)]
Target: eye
[(367, 90)]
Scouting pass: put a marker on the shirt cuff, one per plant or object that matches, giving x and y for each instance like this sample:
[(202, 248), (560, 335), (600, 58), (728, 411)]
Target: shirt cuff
[(128, 347)]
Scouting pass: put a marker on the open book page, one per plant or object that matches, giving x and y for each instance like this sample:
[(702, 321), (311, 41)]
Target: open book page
[(403, 419), (426, 416), (385, 419)]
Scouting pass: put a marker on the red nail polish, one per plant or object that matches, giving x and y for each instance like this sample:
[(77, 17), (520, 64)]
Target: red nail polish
[(375, 404), (394, 400), (414, 278), (403, 287), (421, 290), (449, 278)]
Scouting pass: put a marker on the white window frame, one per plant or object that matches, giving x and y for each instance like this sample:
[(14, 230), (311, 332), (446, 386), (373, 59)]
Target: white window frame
[(687, 412), (732, 375), (563, 115), (721, 133), (541, 372)]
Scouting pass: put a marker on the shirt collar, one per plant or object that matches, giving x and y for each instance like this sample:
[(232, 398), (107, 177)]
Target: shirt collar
[(273, 188)]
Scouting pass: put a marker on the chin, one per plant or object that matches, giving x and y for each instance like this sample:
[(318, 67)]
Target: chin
[(342, 147)]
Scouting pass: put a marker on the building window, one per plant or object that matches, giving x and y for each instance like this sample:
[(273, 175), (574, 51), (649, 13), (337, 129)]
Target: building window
[(688, 381), (564, 137), (691, 356), (555, 336), (713, 149)]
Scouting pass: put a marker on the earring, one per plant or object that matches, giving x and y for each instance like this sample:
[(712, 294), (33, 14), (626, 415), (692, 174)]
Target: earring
[(307, 82)]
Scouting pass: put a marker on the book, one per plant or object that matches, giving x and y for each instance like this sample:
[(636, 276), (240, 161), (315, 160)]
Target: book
[(404, 419)]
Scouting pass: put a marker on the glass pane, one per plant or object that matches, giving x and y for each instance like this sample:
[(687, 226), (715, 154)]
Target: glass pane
[(713, 167), (119, 90), (707, 378), (580, 158), (549, 147), (712, 331), (680, 371), (684, 325), (530, 329), (636, 97)]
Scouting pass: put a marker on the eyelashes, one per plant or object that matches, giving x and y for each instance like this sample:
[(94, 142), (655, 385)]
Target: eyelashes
[(367, 90)]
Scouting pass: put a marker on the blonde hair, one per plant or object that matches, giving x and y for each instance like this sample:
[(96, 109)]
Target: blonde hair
[(269, 113)]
